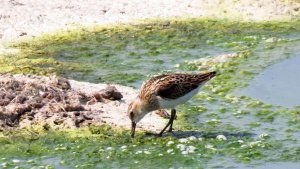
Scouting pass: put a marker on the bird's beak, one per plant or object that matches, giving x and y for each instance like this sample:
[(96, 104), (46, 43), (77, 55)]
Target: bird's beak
[(133, 125)]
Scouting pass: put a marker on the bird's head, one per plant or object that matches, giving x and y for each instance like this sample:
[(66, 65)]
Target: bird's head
[(135, 113)]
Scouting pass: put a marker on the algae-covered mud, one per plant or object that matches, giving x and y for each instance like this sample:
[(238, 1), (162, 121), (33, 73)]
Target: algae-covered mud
[(218, 128)]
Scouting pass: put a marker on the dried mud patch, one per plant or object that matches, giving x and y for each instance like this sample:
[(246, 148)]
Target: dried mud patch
[(57, 102)]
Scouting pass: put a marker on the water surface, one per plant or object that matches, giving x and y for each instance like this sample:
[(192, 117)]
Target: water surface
[(278, 84)]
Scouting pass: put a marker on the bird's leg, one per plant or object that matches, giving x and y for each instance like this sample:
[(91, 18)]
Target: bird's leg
[(173, 115), (160, 134)]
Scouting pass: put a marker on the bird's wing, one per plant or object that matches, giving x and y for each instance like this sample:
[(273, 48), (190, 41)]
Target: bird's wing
[(147, 86), (177, 85), (154, 79)]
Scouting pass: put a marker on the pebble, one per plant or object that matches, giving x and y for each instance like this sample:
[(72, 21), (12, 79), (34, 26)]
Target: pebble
[(182, 147), (240, 141), (170, 151), (192, 138), (123, 147), (109, 148), (209, 146), (191, 149), (183, 140), (270, 40), (200, 139), (221, 137), (263, 136), (170, 143), (15, 161)]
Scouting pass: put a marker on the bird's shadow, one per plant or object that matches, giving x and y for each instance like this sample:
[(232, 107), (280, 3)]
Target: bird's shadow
[(183, 134)]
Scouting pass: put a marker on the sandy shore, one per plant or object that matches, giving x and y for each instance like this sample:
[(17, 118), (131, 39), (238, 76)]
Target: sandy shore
[(26, 100), (26, 18)]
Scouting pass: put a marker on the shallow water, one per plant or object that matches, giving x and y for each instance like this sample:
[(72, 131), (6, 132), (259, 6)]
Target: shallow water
[(132, 65), (277, 165), (278, 84), (228, 163)]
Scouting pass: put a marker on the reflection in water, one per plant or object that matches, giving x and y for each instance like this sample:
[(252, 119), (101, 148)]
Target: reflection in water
[(278, 84)]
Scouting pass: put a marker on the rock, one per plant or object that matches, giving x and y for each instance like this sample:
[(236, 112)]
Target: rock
[(58, 121), (4, 102), (10, 96), (32, 113), (48, 114), (73, 107), (64, 115), (37, 105), (61, 83), (35, 102), (87, 116), (21, 109), (20, 99), (77, 113), (46, 126), (15, 3), (10, 123), (78, 121), (97, 96), (111, 93), (23, 34)]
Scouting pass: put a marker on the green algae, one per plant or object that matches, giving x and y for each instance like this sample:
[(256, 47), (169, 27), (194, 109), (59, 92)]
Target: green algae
[(127, 54), (104, 53), (106, 147)]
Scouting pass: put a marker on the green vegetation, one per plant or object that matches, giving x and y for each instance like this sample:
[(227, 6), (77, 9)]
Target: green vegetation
[(106, 147), (219, 124), (106, 53)]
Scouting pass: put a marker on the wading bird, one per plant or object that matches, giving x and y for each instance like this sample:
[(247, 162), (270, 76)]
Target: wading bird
[(165, 92)]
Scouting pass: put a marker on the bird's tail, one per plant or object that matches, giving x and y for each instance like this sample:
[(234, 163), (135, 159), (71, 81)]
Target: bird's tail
[(206, 76)]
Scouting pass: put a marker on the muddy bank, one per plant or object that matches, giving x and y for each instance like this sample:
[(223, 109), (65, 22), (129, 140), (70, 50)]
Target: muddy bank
[(60, 103)]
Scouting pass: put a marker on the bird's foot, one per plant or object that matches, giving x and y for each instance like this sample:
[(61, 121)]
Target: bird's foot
[(170, 130), (158, 135), (167, 133)]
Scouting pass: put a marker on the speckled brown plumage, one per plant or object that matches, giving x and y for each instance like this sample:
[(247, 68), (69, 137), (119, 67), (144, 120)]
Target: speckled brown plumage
[(171, 86), (165, 91)]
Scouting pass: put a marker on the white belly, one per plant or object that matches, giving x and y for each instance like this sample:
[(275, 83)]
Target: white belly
[(172, 103)]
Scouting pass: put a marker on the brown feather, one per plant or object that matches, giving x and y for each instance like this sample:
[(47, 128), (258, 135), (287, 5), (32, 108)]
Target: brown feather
[(172, 86), (177, 85)]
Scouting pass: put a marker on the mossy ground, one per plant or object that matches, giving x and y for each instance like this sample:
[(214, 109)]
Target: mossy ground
[(119, 53), (255, 132)]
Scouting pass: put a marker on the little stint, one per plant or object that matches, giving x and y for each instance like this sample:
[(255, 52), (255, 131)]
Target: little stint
[(165, 92)]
